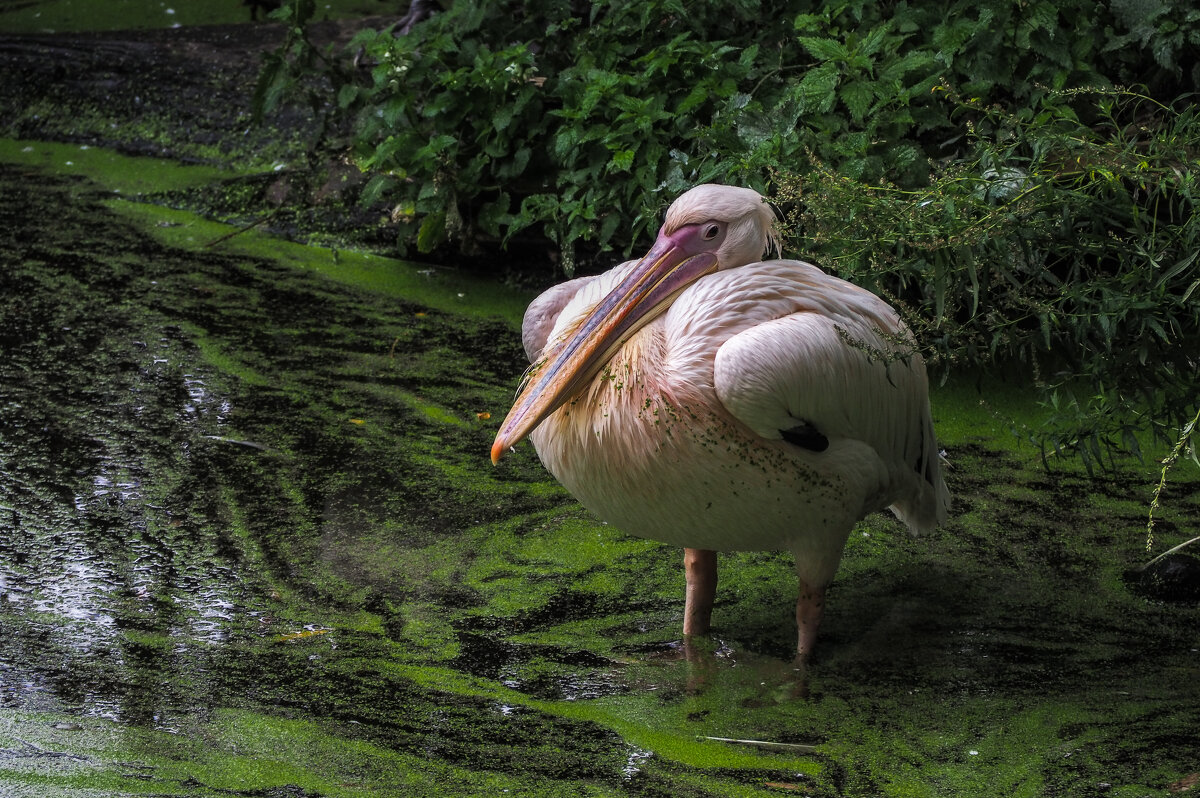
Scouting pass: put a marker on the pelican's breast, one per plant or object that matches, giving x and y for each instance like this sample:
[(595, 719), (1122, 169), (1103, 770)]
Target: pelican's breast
[(649, 448)]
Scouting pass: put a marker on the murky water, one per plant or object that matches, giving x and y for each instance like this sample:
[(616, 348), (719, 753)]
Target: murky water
[(250, 544), (109, 559), (180, 542)]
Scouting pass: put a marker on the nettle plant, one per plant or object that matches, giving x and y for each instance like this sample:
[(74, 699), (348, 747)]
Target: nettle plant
[(1071, 250), (577, 125), (488, 124), (974, 162)]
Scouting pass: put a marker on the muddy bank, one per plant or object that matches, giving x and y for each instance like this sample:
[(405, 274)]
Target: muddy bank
[(177, 93), (184, 95), (168, 525)]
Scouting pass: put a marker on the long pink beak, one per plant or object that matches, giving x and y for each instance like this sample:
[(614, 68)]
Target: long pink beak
[(572, 363)]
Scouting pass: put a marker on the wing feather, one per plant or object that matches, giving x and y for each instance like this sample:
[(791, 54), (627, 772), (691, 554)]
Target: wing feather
[(840, 361), (543, 312), (560, 308)]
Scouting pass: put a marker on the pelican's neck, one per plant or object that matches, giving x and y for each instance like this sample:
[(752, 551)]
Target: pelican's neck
[(635, 372)]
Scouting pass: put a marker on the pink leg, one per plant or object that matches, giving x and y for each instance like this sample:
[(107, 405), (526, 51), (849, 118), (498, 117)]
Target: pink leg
[(700, 570), (809, 607)]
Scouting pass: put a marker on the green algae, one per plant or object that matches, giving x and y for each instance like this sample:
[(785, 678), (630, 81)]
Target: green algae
[(122, 174), (420, 286), (234, 753), (314, 582)]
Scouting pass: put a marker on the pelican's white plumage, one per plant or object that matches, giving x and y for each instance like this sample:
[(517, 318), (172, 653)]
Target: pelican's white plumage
[(768, 405)]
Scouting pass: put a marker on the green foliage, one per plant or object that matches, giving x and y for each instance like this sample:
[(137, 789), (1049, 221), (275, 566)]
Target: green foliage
[(1044, 217), (1072, 249), (481, 124), (544, 118)]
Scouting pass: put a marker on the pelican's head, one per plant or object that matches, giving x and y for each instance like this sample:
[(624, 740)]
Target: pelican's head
[(708, 228), (736, 224)]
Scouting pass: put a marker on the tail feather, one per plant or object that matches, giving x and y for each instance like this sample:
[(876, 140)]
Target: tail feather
[(931, 505)]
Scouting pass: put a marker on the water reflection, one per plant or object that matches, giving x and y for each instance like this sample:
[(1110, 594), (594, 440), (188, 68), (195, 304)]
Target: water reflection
[(112, 571)]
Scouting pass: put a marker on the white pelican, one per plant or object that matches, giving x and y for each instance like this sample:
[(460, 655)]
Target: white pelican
[(705, 398)]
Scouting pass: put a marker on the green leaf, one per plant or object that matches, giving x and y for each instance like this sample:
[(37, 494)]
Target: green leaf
[(502, 117), (697, 96), (897, 68), (347, 95), (875, 39), (786, 113), (436, 146), (432, 232), (858, 96), (565, 142), (825, 49), (608, 225), (376, 187), (393, 110), (808, 22), (514, 165), (818, 89), (622, 160)]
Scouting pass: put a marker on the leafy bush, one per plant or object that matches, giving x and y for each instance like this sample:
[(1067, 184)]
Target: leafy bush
[(494, 118), (975, 162), (1071, 249)]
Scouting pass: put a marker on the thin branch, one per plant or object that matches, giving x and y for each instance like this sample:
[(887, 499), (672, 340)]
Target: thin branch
[(1170, 460), (808, 749), (243, 229)]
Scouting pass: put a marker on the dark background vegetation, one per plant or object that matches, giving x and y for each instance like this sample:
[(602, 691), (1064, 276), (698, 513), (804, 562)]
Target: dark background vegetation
[(1019, 177)]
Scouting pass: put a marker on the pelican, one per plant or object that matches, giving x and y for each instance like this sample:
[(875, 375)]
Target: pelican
[(706, 398)]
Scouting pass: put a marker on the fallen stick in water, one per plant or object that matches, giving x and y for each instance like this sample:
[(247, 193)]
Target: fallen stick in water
[(762, 743)]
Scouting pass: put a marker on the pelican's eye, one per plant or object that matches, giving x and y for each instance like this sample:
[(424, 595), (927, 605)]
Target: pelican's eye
[(711, 232)]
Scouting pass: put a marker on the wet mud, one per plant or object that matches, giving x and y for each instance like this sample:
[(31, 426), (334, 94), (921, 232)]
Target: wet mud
[(251, 544)]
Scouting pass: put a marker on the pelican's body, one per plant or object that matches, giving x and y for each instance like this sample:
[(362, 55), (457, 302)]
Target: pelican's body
[(768, 406)]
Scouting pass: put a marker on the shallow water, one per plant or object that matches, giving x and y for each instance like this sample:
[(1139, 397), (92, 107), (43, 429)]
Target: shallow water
[(252, 545)]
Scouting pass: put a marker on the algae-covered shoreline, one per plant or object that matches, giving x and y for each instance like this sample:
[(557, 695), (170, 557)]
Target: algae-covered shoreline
[(252, 545)]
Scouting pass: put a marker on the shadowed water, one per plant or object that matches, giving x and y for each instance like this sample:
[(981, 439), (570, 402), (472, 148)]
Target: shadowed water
[(167, 528)]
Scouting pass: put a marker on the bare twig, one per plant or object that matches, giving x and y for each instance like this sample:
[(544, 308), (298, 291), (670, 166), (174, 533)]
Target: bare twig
[(799, 747), (243, 229)]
